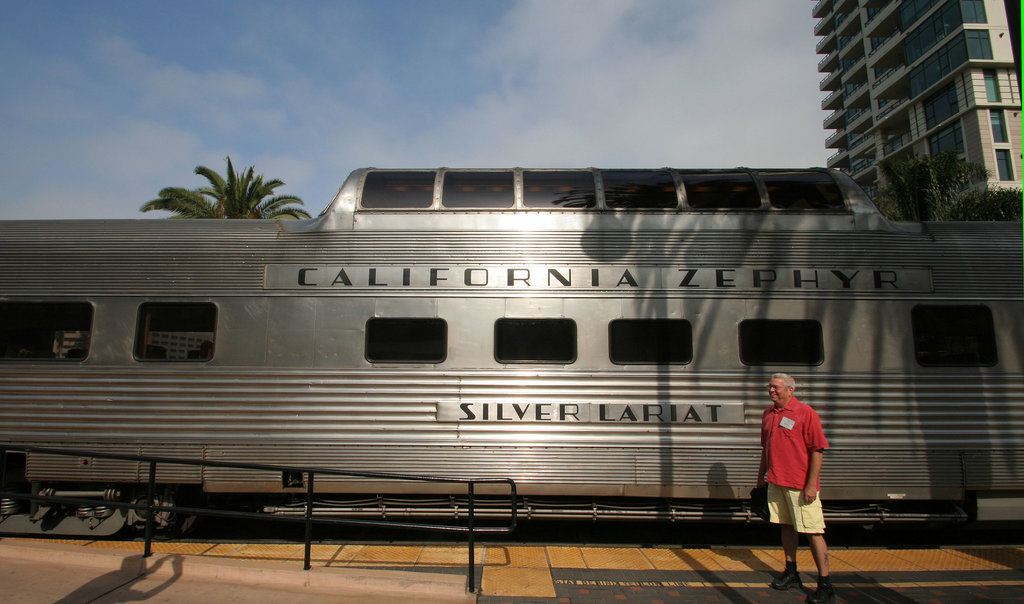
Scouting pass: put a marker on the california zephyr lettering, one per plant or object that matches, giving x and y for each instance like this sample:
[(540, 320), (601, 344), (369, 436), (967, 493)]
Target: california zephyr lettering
[(605, 278)]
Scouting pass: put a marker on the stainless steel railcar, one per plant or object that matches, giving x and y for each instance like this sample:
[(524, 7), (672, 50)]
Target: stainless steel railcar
[(603, 337)]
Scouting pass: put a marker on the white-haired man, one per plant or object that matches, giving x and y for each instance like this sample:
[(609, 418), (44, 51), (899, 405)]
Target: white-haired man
[(792, 447)]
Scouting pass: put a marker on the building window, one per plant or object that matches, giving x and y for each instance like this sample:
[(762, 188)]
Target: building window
[(45, 330), (781, 342), (931, 32), (176, 331), (941, 63), (978, 44), (912, 10), (535, 341), (992, 86), (973, 11), (953, 335), (950, 138), (941, 105), (650, 341), (406, 340), (998, 126), (1004, 164)]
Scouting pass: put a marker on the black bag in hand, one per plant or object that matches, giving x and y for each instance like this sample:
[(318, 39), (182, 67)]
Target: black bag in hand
[(759, 503)]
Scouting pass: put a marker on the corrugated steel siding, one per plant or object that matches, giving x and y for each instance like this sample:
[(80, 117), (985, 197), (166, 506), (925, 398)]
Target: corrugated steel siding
[(219, 257)]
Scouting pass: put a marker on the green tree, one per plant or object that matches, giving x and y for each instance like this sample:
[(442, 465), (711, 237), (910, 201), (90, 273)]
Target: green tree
[(992, 204), (239, 196), (918, 188)]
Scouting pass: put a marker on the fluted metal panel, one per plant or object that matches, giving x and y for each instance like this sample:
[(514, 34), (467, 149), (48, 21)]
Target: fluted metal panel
[(218, 257)]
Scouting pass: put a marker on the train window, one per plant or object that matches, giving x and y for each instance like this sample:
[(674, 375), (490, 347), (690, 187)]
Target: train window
[(650, 341), (781, 342), (535, 341), (720, 190), (45, 330), (406, 340), (398, 190), (478, 190), (803, 191), (639, 189), (175, 331), (954, 335), (552, 190)]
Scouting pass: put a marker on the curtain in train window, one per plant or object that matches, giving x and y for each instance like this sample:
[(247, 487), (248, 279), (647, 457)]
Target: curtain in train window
[(954, 335), (558, 189), (170, 331), (478, 190), (650, 341), (406, 340), (803, 191), (398, 190), (535, 341), (720, 190), (45, 330), (781, 342), (639, 189)]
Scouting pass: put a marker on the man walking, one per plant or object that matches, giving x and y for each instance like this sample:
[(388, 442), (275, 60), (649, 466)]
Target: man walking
[(792, 446)]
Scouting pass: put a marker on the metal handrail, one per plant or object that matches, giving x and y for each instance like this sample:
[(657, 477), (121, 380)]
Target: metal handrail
[(471, 529)]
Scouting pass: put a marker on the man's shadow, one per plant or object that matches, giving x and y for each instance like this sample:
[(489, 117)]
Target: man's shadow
[(121, 579)]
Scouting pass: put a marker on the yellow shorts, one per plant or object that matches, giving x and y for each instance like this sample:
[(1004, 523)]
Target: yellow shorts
[(787, 507)]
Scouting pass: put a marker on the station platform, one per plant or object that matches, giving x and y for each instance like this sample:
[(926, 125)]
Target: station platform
[(101, 572)]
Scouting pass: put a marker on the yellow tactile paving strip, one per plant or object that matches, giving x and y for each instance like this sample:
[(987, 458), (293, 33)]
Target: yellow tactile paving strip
[(525, 571)]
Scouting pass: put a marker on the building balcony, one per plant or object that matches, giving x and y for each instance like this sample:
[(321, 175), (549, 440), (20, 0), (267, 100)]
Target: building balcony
[(884, 21), (827, 44), (836, 119), (822, 8), (833, 101), (837, 140), (830, 62), (892, 84), (832, 81), (896, 143), (824, 26)]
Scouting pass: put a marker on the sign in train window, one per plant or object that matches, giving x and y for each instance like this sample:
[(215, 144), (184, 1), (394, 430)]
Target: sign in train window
[(803, 191), (478, 190), (781, 342), (45, 330), (639, 190), (535, 341), (406, 340), (398, 190), (558, 189), (954, 335), (176, 331), (650, 341), (720, 190)]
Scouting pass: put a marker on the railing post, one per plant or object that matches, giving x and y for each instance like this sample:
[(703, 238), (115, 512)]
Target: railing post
[(148, 551), (309, 519), (472, 557), (3, 468)]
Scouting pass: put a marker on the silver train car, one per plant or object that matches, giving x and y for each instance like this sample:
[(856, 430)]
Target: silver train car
[(602, 337)]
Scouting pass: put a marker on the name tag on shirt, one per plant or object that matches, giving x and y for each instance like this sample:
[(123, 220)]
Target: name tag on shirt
[(787, 423)]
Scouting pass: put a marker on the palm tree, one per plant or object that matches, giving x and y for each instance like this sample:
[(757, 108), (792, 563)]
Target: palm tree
[(918, 188), (240, 196)]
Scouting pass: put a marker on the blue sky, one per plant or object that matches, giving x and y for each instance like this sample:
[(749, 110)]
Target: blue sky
[(105, 102)]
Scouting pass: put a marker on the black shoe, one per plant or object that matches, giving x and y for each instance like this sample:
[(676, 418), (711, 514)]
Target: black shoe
[(786, 580), (823, 595)]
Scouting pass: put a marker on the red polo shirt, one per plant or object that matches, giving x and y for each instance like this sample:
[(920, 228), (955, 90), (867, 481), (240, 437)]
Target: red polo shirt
[(788, 436)]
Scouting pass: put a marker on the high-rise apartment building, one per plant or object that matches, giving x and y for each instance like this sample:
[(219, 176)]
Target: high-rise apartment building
[(918, 77)]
